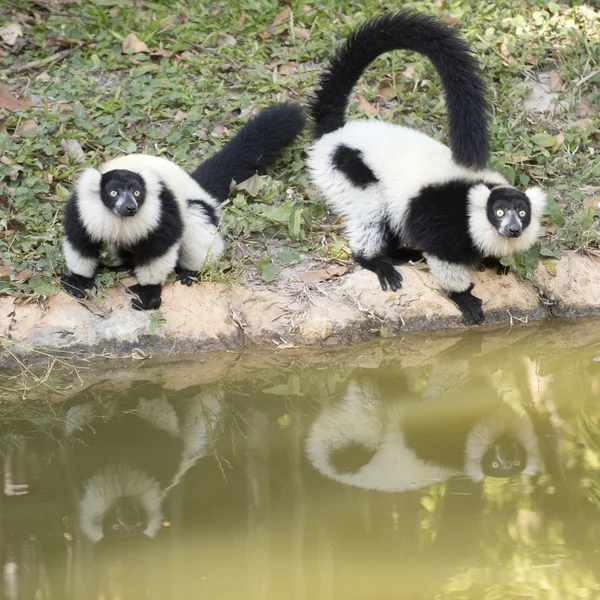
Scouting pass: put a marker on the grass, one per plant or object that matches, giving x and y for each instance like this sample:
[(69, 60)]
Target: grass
[(185, 97)]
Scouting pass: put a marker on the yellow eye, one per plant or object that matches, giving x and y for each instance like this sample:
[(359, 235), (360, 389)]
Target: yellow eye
[(136, 193), (113, 194), (522, 213), (517, 463), (499, 213), (495, 465)]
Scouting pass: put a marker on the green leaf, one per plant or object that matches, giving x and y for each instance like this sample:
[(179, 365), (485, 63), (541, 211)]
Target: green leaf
[(41, 286), (550, 251), (279, 214), (550, 267), (269, 271), (294, 224), (545, 140), (288, 257), (278, 390)]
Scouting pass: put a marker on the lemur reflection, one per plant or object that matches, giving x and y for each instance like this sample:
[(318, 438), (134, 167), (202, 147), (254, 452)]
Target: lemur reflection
[(385, 435), (128, 454)]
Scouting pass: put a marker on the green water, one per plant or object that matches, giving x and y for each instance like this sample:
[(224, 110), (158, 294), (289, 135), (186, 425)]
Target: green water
[(427, 467)]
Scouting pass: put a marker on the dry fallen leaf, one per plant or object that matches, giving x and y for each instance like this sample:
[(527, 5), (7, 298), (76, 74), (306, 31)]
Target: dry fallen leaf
[(5, 270), (556, 83), (3, 127), (218, 130), (560, 138), (281, 17), (408, 73), (28, 125), (224, 39), (452, 21), (438, 5), (215, 11), (365, 106), (12, 103), (180, 115), (584, 123), (15, 169), (531, 59), (132, 42), (73, 151), (161, 52), (300, 33), (585, 110), (385, 90), (320, 275), (10, 32), (252, 185), (44, 77), (592, 202), (309, 10), (504, 46), (286, 68)]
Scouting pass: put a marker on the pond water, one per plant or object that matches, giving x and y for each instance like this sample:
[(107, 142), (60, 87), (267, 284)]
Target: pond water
[(426, 467)]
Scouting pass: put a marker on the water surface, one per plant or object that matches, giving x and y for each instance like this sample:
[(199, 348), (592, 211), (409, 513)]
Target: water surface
[(428, 467)]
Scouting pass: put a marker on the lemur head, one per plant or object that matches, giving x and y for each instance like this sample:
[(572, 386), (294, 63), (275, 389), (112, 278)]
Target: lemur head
[(509, 211), (123, 192)]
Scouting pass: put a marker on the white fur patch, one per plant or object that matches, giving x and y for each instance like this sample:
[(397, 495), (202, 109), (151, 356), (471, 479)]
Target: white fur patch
[(503, 421), (201, 243), (451, 277), (357, 420), (113, 482), (156, 271), (486, 237), (158, 413), (76, 263)]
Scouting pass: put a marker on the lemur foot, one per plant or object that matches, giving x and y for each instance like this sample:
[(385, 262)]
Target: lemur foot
[(148, 296), (489, 262), (76, 285), (187, 277), (383, 267), (470, 306)]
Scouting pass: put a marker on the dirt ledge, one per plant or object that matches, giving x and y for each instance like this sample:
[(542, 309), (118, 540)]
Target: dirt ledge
[(215, 317)]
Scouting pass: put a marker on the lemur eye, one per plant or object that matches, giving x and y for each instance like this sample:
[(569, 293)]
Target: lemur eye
[(114, 194), (522, 213), (495, 464), (116, 527), (499, 213), (517, 463), (136, 193)]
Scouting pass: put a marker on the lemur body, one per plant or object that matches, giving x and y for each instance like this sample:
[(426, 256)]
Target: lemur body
[(396, 187)]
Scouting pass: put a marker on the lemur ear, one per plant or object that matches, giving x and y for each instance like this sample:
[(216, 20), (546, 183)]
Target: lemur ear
[(537, 199), (89, 182)]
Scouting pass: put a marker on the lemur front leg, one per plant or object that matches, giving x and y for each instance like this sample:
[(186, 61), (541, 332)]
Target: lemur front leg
[(491, 262), (455, 280), (151, 272), (82, 255)]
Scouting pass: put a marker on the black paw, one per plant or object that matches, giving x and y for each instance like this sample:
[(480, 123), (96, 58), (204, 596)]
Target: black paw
[(490, 262), (187, 277), (148, 296), (470, 306), (383, 267), (76, 285)]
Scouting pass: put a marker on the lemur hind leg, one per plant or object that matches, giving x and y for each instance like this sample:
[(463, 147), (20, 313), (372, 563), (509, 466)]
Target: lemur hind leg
[(491, 262), (455, 280), (185, 276)]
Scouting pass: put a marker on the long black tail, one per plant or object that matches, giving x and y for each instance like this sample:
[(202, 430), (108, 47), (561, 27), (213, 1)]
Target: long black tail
[(453, 59), (252, 149)]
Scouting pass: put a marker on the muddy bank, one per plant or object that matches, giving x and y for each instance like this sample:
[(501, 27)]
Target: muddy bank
[(352, 308)]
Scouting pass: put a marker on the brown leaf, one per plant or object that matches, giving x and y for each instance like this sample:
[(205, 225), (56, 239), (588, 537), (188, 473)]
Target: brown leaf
[(15, 169), (452, 21), (284, 15), (5, 270), (28, 125), (44, 77), (408, 73), (286, 68), (385, 90), (300, 33), (218, 130), (13, 103), (504, 46), (162, 52), (319, 275), (224, 39), (592, 202), (23, 275), (3, 127), (438, 5), (133, 43), (38, 18), (252, 185), (365, 106), (584, 123), (10, 33), (560, 138), (180, 115), (73, 151), (585, 110), (531, 59), (215, 11), (309, 11), (556, 83)]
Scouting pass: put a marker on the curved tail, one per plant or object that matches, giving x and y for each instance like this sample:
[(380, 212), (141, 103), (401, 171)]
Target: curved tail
[(253, 148), (454, 61)]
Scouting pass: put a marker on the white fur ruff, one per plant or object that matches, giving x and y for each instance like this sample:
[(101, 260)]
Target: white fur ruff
[(113, 482), (486, 237), (486, 430)]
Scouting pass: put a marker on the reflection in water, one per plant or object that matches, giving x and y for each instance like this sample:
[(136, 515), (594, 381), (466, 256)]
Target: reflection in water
[(267, 482)]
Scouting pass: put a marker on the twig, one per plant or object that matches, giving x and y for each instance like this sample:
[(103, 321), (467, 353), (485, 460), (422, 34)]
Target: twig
[(42, 61), (44, 11), (588, 76), (207, 50)]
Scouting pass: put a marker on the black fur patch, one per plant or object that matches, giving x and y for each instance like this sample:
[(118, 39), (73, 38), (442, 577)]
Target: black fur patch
[(252, 149), (209, 210), (148, 296), (350, 162), (470, 306), (437, 222), (76, 233), (166, 233), (506, 198)]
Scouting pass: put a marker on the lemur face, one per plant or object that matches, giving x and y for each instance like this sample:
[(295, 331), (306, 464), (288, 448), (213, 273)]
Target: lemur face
[(123, 192), (509, 211)]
